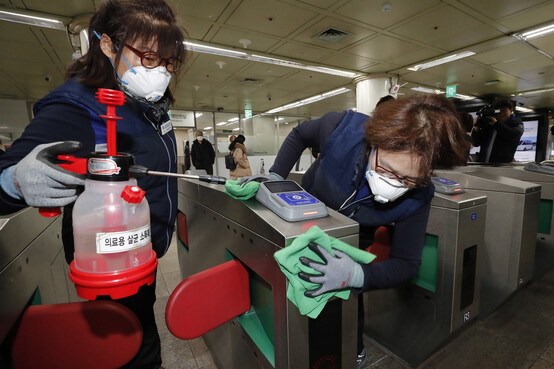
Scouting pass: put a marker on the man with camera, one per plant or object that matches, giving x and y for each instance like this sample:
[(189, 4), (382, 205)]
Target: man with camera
[(498, 136)]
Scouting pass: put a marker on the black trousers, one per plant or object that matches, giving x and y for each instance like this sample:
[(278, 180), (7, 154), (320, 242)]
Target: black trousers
[(142, 304)]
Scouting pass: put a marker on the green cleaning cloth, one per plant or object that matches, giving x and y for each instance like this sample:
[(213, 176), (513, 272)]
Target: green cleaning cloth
[(289, 262), (236, 191)]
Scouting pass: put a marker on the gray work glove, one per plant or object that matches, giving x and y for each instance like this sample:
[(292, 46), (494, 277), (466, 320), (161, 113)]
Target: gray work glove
[(41, 183), (260, 178), (337, 272)]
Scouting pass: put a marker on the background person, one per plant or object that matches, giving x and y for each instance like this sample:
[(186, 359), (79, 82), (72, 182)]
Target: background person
[(239, 154), (376, 171), (135, 46), (202, 153), (498, 137)]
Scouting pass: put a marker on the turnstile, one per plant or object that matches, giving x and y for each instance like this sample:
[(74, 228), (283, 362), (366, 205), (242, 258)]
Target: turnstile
[(544, 253), (412, 321), (214, 228), (510, 233), (32, 267)]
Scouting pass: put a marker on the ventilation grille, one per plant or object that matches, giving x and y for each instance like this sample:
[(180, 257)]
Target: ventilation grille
[(332, 35)]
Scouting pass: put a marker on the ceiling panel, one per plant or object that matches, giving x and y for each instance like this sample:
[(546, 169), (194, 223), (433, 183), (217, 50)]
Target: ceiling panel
[(380, 68), (524, 64), (64, 8), (21, 51), (382, 48), (15, 32), (545, 43), (527, 19), (382, 42), (10, 90), (309, 82), (323, 4), (436, 25), (205, 68), (301, 51), (468, 37), (352, 62), (415, 56), (208, 10), (513, 51), (371, 13), (270, 17), (196, 28), (496, 9), (231, 37), (356, 33)]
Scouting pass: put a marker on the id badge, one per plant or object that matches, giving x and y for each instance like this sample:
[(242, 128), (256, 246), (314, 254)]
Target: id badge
[(166, 127)]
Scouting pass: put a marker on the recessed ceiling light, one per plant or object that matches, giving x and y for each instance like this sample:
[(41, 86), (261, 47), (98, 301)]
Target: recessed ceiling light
[(446, 59)]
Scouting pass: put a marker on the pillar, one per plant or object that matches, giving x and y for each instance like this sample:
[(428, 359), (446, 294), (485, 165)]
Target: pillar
[(369, 89)]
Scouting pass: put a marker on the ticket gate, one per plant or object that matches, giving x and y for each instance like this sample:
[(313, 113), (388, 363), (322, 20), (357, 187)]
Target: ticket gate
[(510, 232), (544, 253), (32, 267), (214, 228), (412, 321)]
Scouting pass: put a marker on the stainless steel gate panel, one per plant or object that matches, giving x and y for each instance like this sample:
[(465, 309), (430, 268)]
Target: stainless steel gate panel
[(32, 258), (510, 233), (219, 228), (413, 321), (544, 253)]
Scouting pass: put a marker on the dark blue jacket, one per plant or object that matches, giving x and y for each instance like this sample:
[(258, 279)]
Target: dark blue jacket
[(71, 112), (337, 178)]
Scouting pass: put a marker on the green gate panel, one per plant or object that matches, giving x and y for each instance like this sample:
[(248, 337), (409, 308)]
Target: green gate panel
[(427, 276)]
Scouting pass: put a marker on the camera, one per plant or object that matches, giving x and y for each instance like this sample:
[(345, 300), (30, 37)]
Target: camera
[(484, 114)]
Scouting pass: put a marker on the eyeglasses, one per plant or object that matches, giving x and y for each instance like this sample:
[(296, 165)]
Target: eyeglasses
[(151, 60), (407, 181)]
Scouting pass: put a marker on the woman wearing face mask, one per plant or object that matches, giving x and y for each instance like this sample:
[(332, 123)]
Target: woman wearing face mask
[(137, 47), (376, 171)]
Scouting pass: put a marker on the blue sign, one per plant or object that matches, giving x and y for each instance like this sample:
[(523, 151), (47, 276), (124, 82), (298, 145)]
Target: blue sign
[(297, 198), (445, 181), (473, 216)]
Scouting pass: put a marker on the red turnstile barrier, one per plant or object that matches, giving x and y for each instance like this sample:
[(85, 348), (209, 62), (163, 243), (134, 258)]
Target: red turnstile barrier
[(84, 335), (208, 299)]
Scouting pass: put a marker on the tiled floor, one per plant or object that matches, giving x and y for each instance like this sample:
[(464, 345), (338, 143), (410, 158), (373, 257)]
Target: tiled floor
[(519, 335)]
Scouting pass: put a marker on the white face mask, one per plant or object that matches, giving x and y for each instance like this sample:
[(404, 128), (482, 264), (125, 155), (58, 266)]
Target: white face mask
[(149, 84), (384, 189), (200, 138)]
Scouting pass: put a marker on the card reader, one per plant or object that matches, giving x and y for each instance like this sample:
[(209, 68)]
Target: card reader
[(447, 186), (290, 201)]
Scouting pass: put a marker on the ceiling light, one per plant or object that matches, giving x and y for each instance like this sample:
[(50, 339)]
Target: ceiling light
[(538, 32), (427, 90), (233, 119), (236, 129), (32, 20), (532, 92), (446, 59), (221, 123), (523, 110), (465, 97), (198, 115), (207, 128), (230, 53), (309, 100)]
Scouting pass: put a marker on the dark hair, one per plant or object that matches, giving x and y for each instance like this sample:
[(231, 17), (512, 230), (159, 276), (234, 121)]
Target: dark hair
[(426, 125), (504, 103), (467, 121), (240, 139), (126, 21), (384, 99)]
